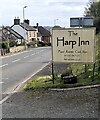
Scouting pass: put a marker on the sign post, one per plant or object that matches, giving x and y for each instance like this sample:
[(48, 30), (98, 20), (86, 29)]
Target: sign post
[(73, 45)]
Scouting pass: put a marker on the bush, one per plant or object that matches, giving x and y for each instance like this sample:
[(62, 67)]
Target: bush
[(40, 44), (4, 45), (12, 43), (31, 44)]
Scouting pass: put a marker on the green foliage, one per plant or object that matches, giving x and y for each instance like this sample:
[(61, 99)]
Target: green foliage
[(12, 43), (79, 69), (94, 11), (40, 44), (45, 82), (4, 45), (31, 44)]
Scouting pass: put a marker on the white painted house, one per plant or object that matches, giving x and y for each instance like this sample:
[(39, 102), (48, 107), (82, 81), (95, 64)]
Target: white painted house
[(25, 30)]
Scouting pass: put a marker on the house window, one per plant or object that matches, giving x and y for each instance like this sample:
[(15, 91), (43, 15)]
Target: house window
[(34, 34), (33, 39), (30, 34)]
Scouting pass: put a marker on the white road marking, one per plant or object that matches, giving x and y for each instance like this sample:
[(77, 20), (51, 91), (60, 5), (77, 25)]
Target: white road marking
[(36, 53), (3, 65), (3, 100), (25, 51), (16, 60), (5, 78), (31, 50), (32, 54), (26, 56), (40, 51), (1, 82)]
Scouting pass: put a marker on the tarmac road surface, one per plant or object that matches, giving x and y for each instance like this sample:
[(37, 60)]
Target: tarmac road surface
[(19, 67)]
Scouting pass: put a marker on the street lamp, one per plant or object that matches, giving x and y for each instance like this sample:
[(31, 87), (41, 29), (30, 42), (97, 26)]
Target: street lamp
[(24, 13), (24, 25)]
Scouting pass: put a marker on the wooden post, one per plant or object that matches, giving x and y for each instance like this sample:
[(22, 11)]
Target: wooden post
[(93, 72), (85, 68), (53, 77), (53, 73)]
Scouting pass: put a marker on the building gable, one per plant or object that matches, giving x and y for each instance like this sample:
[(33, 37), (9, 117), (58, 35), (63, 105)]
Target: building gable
[(20, 30)]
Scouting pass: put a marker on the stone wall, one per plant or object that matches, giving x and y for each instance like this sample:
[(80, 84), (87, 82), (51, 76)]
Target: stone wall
[(17, 49), (12, 50)]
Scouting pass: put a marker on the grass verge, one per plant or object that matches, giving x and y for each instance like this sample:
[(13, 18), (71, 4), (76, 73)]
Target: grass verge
[(45, 82)]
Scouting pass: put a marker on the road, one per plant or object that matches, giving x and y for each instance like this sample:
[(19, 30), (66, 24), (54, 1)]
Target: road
[(19, 67)]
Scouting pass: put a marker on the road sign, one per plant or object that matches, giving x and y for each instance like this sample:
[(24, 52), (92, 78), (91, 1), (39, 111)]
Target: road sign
[(81, 22), (73, 45)]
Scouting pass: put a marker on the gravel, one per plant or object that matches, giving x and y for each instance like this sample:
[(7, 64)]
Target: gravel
[(53, 104)]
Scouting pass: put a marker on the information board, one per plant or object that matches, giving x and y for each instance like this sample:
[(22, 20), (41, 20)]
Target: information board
[(73, 45)]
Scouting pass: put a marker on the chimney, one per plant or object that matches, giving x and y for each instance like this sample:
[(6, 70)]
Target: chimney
[(16, 21), (37, 25), (27, 21)]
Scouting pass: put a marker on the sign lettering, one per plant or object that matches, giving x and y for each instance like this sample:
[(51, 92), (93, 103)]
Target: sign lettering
[(71, 42)]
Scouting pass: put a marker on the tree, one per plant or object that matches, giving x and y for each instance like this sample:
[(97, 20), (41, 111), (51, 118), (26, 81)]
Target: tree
[(94, 11)]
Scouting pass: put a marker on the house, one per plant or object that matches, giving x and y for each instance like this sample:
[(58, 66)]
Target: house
[(43, 34), (11, 36), (25, 30), (8, 38)]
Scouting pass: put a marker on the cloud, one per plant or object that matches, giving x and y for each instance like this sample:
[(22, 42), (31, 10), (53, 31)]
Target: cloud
[(42, 11)]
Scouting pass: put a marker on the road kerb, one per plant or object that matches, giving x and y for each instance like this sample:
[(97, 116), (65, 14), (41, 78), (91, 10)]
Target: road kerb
[(74, 88)]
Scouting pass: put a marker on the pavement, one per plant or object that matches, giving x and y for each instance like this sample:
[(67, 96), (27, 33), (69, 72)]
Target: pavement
[(73, 103)]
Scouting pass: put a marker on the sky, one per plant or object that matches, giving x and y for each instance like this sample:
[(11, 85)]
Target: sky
[(44, 12)]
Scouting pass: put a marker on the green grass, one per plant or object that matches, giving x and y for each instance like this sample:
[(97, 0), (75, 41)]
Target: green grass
[(43, 82), (87, 75), (46, 82)]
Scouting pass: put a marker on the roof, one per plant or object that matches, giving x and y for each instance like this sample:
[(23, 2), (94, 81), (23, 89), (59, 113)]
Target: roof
[(27, 27), (14, 32), (43, 31)]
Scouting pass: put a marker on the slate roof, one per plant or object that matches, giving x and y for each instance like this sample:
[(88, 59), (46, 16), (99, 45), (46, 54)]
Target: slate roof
[(27, 27), (14, 32), (43, 31)]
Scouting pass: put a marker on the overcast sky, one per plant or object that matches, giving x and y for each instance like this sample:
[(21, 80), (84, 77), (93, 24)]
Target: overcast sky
[(45, 12)]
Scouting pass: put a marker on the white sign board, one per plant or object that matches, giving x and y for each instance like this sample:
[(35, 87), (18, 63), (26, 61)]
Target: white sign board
[(73, 45)]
